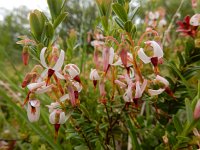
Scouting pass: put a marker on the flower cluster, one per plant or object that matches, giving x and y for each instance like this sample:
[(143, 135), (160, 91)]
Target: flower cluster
[(120, 65), (61, 84)]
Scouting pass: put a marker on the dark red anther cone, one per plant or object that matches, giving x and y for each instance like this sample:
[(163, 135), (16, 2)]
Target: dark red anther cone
[(77, 78), (56, 127), (154, 61), (169, 92), (50, 73), (95, 83)]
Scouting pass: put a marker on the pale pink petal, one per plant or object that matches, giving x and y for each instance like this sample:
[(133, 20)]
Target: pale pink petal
[(60, 61), (143, 56), (33, 117), (106, 52), (128, 94), (97, 43), (34, 86), (162, 80), (144, 84), (64, 97), (42, 58), (77, 85), (62, 118), (71, 95), (138, 92), (121, 84), (52, 117), (158, 52), (73, 70), (94, 75), (53, 106), (111, 55), (195, 20), (44, 89), (155, 92), (102, 89), (43, 75), (118, 62)]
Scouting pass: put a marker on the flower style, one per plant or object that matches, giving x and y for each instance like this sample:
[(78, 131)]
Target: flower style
[(94, 76), (157, 54), (195, 20), (52, 70), (186, 28), (33, 110)]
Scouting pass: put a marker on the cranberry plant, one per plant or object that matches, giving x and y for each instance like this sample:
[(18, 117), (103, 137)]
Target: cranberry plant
[(138, 88)]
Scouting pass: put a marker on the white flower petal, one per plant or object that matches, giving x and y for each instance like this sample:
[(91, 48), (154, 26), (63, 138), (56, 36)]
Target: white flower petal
[(143, 56), (64, 97), (195, 20), (34, 86), (158, 52), (111, 55), (97, 43), (33, 117), (144, 84), (138, 92), (60, 61), (42, 57), (78, 86), (44, 89), (162, 80), (43, 75), (94, 75), (52, 117), (118, 62), (62, 118), (155, 92)]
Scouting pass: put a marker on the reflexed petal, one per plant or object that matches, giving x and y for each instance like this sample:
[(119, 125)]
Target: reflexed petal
[(60, 61), (71, 95), (78, 86), (121, 84), (53, 106), (162, 80), (73, 70), (106, 52), (138, 92), (62, 118), (111, 55), (143, 56), (42, 58), (44, 89), (59, 75), (155, 92), (64, 97), (144, 84), (118, 62), (195, 20), (52, 117), (34, 103), (158, 52), (97, 43), (43, 75), (34, 86)]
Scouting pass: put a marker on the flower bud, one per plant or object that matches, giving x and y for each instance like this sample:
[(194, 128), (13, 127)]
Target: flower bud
[(25, 55), (197, 110)]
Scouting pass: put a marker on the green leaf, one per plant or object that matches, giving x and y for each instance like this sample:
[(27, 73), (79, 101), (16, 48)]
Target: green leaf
[(189, 112), (119, 22), (120, 11), (59, 19), (130, 28), (177, 124), (55, 8), (49, 30), (104, 21)]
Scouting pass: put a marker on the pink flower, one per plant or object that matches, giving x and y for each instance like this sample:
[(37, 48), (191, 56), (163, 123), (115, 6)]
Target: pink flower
[(108, 57), (73, 71), (52, 70), (33, 110), (157, 53), (94, 76)]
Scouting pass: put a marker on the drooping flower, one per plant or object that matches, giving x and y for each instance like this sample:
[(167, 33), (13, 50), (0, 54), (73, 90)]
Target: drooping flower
[(73, 71), (94, 76), (162, 89), (185, 28), (49, 71), (157, 53), (33, 110)]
